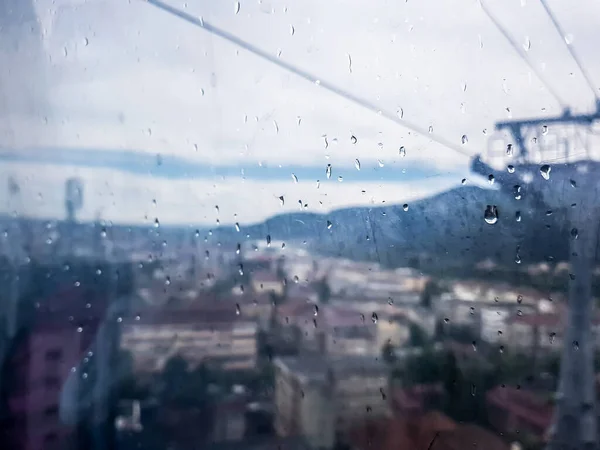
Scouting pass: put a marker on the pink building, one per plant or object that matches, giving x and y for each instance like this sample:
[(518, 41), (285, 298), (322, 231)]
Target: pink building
[(38, 364)]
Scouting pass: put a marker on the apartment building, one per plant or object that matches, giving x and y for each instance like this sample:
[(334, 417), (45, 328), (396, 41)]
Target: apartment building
[(321, 398), (219, 336)]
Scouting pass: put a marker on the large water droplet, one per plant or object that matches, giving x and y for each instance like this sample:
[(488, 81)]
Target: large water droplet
[(374, 317), (402, 151), (328, 171), (316, 311), (491, 179), (545, 171), (329, 225), (357, 164), (464, 139), (574, 233), (510, 168), (353, 139), (268, 240), (491, 214), (405, 207), (237, 309), (281, 200), (237, 227), (295, 178), (518, 216)]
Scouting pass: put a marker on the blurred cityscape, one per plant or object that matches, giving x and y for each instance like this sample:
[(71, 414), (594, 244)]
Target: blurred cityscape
[(166, 338)]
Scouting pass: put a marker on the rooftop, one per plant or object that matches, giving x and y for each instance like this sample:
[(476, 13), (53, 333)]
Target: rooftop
[(523, 403), (318, 367)]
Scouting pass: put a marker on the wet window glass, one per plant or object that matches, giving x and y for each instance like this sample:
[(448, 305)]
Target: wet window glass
[(299, 225)]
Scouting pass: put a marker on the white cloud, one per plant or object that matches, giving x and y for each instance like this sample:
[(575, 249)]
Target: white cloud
[(126, 75)]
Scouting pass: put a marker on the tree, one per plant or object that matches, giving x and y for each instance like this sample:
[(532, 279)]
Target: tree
[(418, 337), (323, 290), (431, 290), (388, 352)]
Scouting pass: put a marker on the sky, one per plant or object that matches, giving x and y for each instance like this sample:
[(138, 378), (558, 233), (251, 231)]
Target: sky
[(160, 118)]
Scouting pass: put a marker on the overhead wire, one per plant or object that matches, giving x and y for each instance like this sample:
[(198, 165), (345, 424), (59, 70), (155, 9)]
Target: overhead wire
[(571, 50), (518, 49), (200, 23)]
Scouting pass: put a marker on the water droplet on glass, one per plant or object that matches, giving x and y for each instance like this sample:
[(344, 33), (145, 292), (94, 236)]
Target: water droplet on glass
[(292, 30), (545, 171), (268, 240), (405, 207), (237, 309), (237, 227), (86, 42), (463, 181), (509, 150), (374, 317), (316, 311), (544, 130), (79, 329), (574, 233), (329, 225), (295, 178), (237, 7), (517, 192), (527, 44), (491, 179), (380, 162), (340, 178), (568, 39), (353, 139), (491, 214), (402, 151), (400, 113), (357, 164), (241, 269), (328, 171), (464, 139), (551, 337), (511, 169), (156, 223), (519, 299), (281, 200), (430, 129), (573, 183)]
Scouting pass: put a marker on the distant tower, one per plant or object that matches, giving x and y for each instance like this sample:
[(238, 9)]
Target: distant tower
[(73, 203), (73, 197)]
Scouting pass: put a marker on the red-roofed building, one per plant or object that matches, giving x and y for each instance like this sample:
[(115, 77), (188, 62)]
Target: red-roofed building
[(512, 410), (417, 399), (265, 281), (431, 431)]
